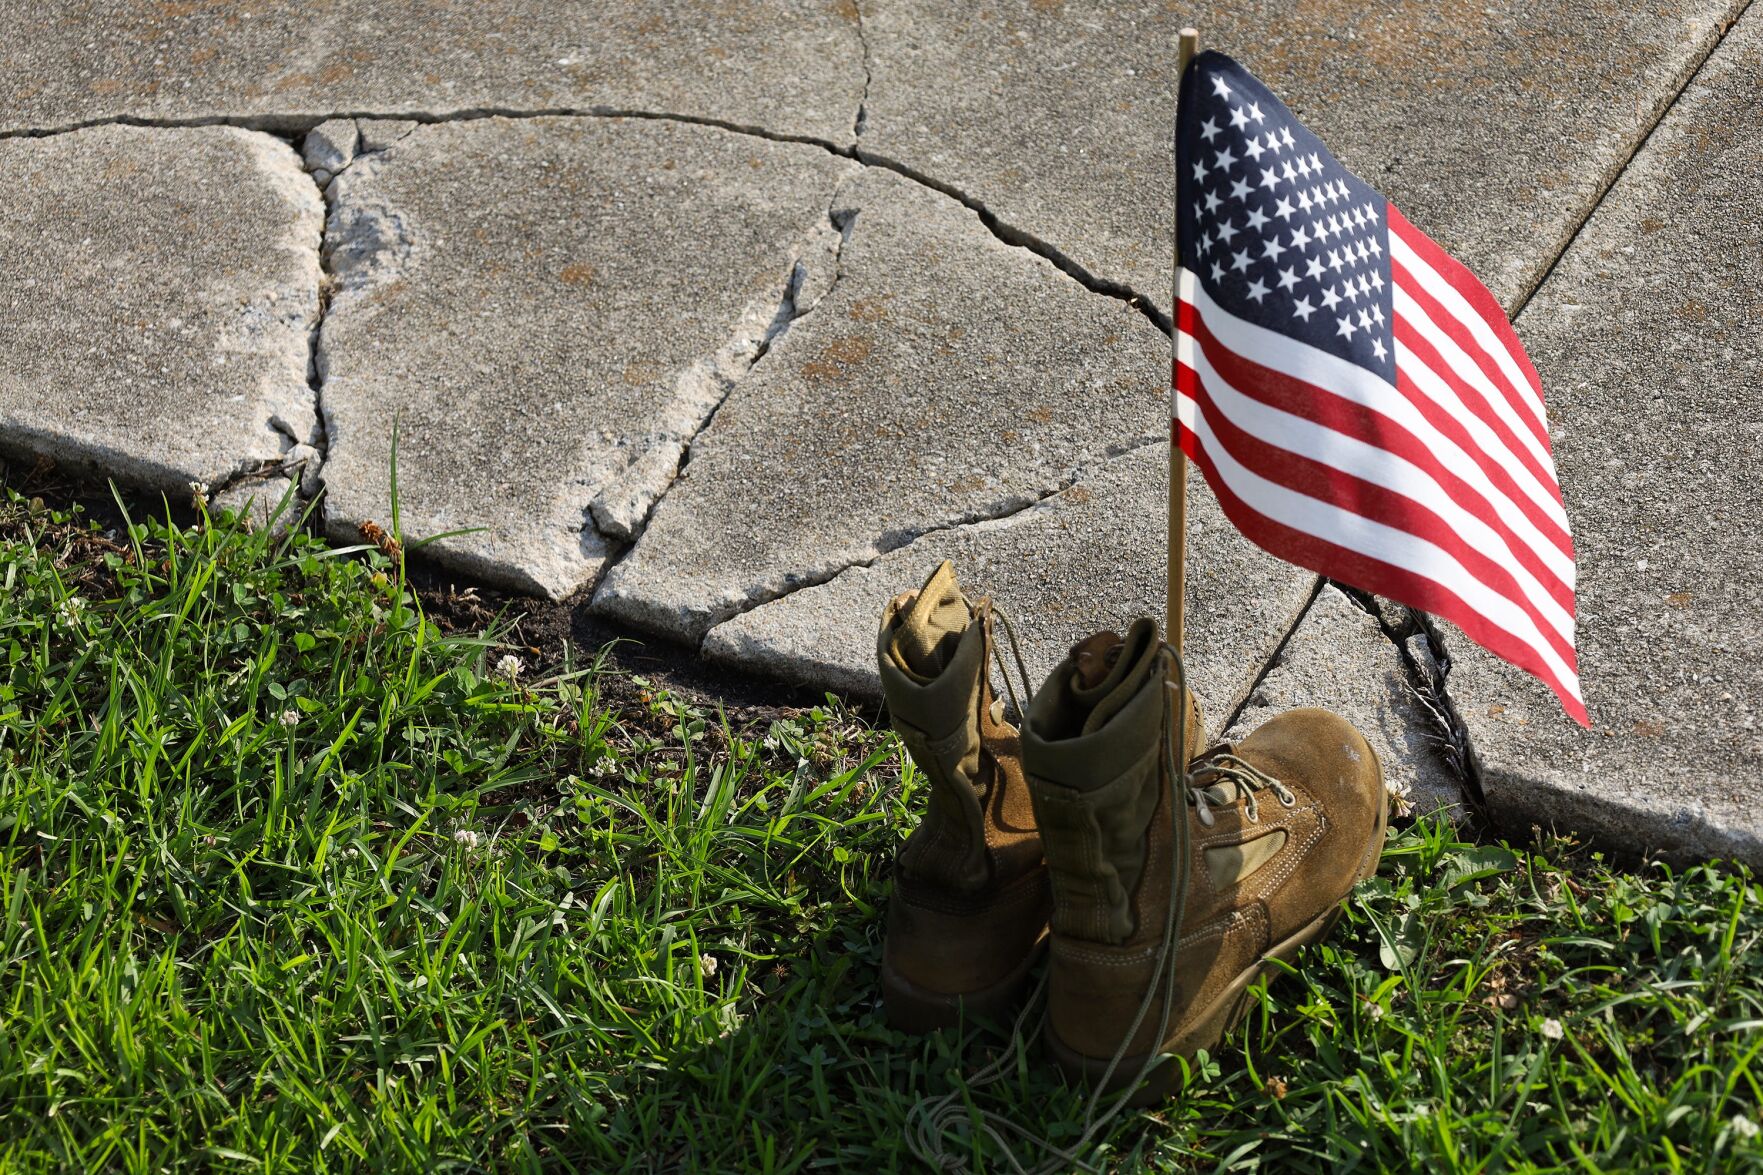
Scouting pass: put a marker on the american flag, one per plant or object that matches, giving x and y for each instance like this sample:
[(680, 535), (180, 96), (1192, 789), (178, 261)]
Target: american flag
[(1356, 398)]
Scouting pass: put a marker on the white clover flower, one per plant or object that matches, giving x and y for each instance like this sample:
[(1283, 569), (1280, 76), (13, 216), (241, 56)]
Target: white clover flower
[(71, 610), (707, 964), (1375, 1011), (509, 666), (769, 743), (1743, 1126), (468, 838), (604, 766), (1401, 796), (1551, 1029), (198, 494), (290, 718)]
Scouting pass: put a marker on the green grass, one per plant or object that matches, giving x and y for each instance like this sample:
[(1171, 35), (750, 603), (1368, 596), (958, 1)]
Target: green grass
[(294, 880)]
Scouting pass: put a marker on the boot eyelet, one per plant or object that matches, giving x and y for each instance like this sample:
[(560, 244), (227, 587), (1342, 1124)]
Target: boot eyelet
[(1288, 798)]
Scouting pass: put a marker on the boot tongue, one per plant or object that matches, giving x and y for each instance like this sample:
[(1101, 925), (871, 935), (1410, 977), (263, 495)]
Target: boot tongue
[(1111, 670), (931, 625)]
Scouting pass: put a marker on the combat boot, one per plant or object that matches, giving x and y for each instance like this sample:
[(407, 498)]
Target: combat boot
[(1242, 859), (968, 915)]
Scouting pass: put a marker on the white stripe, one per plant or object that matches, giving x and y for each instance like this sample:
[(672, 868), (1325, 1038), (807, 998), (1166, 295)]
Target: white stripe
[(1387, 544), (1350, 381), (1446, 295), (1467, 370), (1306, 438)]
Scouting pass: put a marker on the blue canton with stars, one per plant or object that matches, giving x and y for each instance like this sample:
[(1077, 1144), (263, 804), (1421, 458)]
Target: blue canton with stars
[(1274, 228)]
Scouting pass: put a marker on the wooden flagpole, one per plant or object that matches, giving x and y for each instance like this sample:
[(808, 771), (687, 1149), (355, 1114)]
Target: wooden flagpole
[(1178, 463)]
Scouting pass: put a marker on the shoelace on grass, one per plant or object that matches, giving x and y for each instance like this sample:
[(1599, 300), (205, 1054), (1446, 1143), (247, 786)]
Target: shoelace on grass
[(932, 1121)]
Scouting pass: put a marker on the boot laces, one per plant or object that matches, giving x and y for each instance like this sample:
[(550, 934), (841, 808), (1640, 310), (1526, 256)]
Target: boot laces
[(1222, 777)]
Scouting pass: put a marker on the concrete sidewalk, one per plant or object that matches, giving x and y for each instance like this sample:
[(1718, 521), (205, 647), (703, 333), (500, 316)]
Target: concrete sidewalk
[(727, 322)]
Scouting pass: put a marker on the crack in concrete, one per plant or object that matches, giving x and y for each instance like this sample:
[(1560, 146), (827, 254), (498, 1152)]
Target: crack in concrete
[(622, 508), (1427, 672), (1006, 512), (1007, 233), (1271, 662), (312, 474), (857, 124)]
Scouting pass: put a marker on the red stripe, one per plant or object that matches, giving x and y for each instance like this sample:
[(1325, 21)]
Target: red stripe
[(1311, 402), (1457, 275), (1374, 575), (1453, 329), (1325, 483), (1410, 337)]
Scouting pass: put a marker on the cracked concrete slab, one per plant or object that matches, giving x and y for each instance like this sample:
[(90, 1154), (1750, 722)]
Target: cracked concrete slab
[(1646, 337), (1086, 559), (1492, 125), (946, 377), (545, 310), (1339, 658), (158, 290), (792, 66)]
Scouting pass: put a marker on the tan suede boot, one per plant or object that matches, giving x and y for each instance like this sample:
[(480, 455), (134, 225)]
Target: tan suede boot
[(1247, 860), (968, 916)]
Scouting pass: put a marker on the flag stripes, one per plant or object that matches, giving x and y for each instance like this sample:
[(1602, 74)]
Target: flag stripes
[(1428, 491)]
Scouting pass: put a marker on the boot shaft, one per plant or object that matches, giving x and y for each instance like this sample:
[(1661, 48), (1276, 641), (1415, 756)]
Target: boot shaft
[(934, 653), (1099, 749)]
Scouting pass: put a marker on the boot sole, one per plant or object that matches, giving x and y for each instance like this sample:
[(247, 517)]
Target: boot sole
[(1220, 1016), (920, 1010)]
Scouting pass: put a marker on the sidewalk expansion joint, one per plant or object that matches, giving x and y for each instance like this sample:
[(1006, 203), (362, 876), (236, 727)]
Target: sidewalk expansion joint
[(1664, 107)]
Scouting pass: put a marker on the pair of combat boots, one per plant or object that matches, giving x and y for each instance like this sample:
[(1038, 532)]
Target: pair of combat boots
[(1161, 879)]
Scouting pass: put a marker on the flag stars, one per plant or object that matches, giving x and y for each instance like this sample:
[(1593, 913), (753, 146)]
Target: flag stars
[(1269, 177), (1258, 290), (1239, 260), (1213, 200), (1239, 189), (1255, 113), (1288, 278), (1334, 260), (1303, 308), (1330, 299), (1283, 209), (1210, 129), (1255, 150), (1224, 160), (1271, 248), (1238, 118), (1228, 231), (1220, 89), (1257, 218), (1301, 238), (1314, 272), (1347, 326), (1378, 349)]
